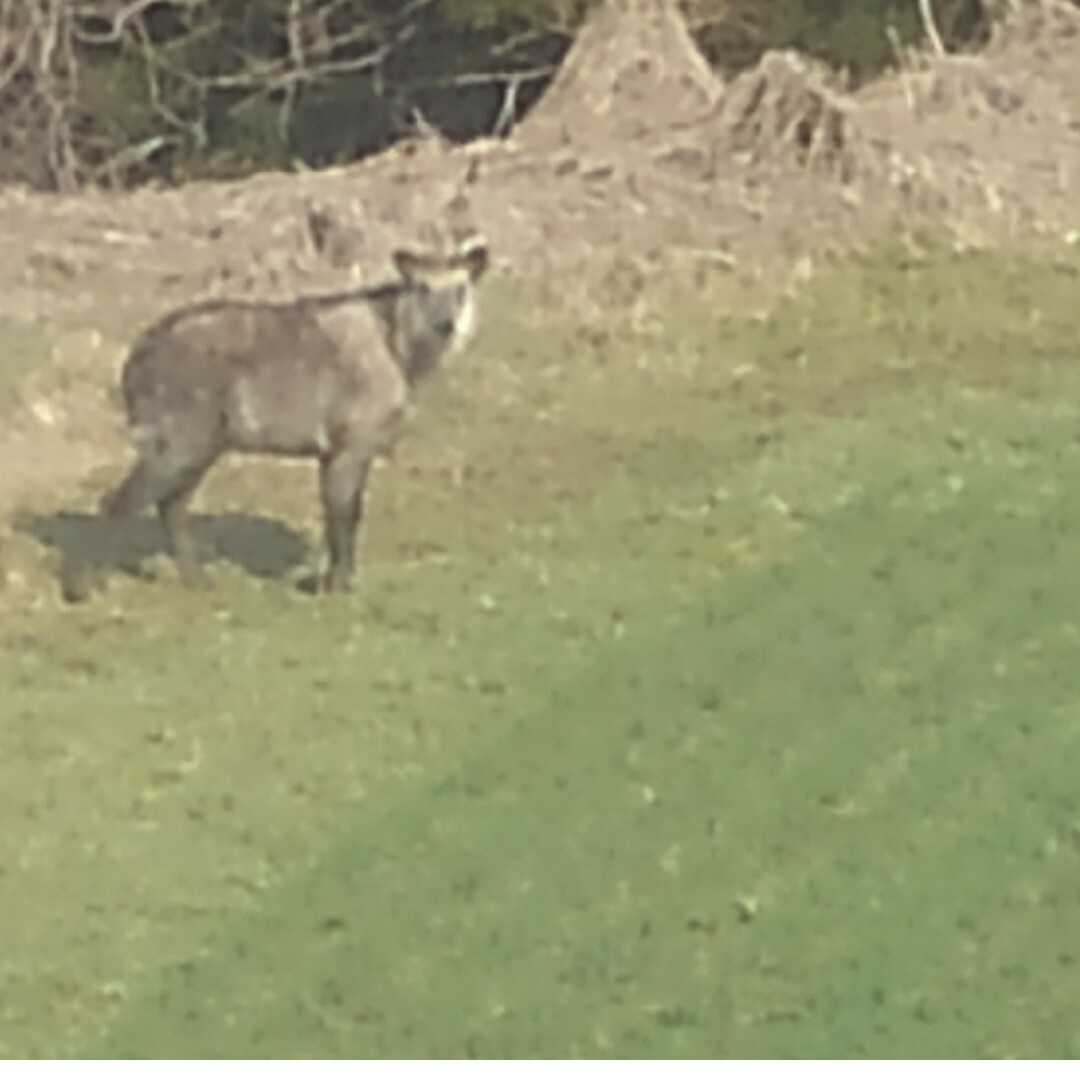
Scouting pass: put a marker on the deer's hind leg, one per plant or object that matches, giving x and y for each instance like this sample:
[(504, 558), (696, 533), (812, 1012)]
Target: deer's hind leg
[(137, 491), (173, 513), (166, 479)]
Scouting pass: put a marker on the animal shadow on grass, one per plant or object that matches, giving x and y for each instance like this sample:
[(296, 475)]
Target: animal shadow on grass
[(91, 545)]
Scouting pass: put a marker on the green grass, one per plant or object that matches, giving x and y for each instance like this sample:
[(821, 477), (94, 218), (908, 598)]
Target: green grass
[(724, 705)]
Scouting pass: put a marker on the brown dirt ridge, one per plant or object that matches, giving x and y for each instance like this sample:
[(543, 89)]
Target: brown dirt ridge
[(639, 157)]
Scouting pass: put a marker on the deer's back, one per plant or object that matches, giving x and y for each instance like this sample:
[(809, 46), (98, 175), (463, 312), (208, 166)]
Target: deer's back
[(205, 348), (284, 377)]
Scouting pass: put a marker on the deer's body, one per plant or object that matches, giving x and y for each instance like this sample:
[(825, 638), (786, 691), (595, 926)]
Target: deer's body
[(326, 377)]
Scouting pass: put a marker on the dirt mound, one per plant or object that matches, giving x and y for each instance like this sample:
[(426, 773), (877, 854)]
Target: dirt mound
[(788, 114), (993, 140), (633, 69), (637, 152)]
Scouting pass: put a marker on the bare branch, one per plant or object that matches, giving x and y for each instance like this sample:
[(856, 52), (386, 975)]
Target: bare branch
[(153, 83), (508, 112), (20, 53), (481, 78), (268, 76), (56, 91), (127, 158), (926, 13), (119, 22), (298, 58)]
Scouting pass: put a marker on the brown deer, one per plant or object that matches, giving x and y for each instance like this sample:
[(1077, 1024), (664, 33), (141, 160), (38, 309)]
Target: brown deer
[(325, 377)]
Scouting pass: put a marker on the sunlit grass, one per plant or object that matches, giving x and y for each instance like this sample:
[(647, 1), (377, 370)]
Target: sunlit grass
[(709, 690)]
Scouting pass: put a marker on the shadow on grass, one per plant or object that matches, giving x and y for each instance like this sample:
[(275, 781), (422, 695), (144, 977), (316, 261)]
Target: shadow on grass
[(264, 547)]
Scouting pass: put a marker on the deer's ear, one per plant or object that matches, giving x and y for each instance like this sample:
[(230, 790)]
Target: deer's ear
[(476, 259), (408, 264)]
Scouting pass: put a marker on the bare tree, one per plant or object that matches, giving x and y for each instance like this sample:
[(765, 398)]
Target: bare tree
[(36, 85), (60, 129), (116, 92)]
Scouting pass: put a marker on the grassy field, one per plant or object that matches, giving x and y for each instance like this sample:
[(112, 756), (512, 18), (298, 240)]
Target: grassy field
[(712, 689)]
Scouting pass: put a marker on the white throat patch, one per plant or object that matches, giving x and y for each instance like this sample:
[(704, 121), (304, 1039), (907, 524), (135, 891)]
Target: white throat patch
[(466, 324)]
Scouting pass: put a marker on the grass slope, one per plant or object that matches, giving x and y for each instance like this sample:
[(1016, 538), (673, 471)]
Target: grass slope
[(828, 809), (714, 693)]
